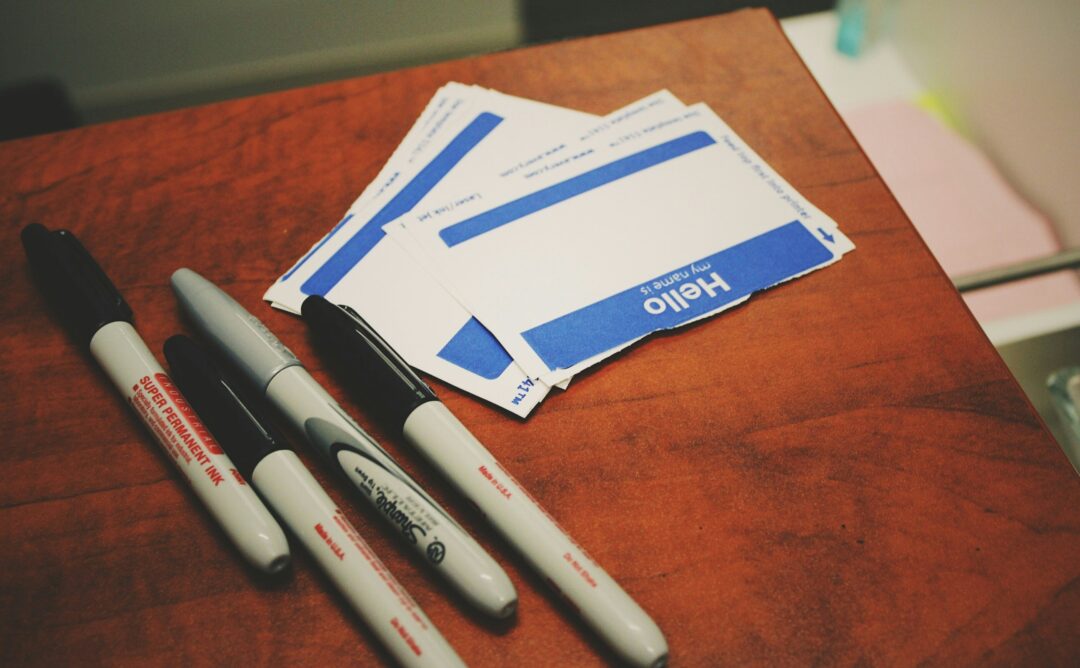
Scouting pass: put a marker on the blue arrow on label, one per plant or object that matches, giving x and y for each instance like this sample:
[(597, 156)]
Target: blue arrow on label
[(825, 235)]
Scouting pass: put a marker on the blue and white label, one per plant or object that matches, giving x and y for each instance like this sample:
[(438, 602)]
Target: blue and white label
[(678, 296), (583, 183), (361, 243), (474, 349)]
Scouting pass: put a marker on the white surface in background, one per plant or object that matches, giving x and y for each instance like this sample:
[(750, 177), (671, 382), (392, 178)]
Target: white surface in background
[(1008, 71), (983, 224), (1004, 331), (1031, 342), (965, 210), (878, 75)]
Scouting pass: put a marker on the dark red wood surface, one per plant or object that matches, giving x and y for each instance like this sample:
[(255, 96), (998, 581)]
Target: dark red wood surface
[(841, 471)]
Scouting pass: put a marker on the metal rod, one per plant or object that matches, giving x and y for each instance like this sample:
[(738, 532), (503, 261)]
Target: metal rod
[(1069, 259)]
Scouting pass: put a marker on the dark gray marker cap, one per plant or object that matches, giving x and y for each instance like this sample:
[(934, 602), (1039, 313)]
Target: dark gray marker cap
[(233, 419)]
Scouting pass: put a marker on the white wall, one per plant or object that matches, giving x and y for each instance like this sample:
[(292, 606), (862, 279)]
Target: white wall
[(1009, 70), (131, 56)]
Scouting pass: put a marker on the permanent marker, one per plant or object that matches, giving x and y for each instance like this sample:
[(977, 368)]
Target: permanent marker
[(98, 314), (278, 474), (414, 515), (407, 403)]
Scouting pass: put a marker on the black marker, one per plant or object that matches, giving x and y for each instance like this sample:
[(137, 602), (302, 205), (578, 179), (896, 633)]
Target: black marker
[(283, 480), (100, 318), (408, 404), (416, 517)]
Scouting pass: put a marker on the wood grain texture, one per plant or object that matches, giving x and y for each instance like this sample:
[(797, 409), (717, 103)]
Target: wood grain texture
[(842, 471)]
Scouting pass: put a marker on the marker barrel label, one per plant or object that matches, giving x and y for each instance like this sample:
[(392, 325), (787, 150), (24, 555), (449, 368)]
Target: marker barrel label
[(171, 420), (163, 409), (441, 541), (600, 601), (398, 502), (422, 522), (365, 582), (212, 476)]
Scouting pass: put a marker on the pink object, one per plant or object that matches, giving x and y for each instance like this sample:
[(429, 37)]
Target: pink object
[(967, 213)]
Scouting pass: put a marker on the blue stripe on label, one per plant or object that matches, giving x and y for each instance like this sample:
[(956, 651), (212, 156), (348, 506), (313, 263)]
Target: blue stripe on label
[(507, 213), (361, 243), (316, 248), (476, 350), (679, 296)]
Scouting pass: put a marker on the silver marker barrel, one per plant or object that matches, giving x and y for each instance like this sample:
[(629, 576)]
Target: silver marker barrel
[(263, 457), (415, 516)]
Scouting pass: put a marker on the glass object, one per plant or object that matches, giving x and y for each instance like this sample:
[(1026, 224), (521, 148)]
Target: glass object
[(1064, 386)]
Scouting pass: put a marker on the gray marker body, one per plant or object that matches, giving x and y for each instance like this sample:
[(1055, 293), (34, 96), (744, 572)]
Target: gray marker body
[(276, 371), (135, 372)]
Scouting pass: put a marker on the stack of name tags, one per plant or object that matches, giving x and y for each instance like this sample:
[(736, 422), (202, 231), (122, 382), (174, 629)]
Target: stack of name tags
[(509, 244)]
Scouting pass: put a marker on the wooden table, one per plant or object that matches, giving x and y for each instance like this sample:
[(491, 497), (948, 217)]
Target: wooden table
[(841, 471)]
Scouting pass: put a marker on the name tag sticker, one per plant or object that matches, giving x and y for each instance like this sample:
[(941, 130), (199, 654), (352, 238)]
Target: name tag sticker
[(508, 244), (467, 135), (661, 224)]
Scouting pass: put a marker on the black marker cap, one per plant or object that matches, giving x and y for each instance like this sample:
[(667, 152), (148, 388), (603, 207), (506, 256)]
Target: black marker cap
[(384, 380), (243, 433), (73, 282)]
